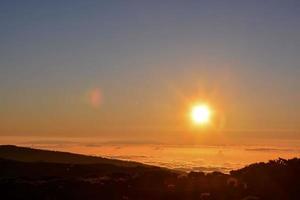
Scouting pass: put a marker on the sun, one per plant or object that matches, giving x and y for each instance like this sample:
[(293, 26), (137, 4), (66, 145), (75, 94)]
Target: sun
[(200, 114)]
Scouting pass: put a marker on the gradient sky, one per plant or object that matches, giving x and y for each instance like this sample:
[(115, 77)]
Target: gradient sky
[(129, 69)]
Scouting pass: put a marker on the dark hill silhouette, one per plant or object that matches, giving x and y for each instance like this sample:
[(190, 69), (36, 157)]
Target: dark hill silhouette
[(280, 177), (64, 177), (26, 154)]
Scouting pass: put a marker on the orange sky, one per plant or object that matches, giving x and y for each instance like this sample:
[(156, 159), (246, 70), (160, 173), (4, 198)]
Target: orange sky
[(132, 71)]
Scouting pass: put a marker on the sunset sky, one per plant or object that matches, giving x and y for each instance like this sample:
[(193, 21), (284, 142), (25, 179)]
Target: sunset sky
[(131, 70)]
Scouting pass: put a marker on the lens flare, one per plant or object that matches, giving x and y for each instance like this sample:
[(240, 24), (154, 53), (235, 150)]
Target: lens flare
[(95, 97)]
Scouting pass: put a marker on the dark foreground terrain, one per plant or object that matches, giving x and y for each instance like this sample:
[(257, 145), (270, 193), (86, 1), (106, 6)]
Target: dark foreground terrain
[(36, 174)]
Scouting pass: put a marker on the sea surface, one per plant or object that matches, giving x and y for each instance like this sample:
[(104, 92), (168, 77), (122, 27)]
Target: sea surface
[(205, 158)]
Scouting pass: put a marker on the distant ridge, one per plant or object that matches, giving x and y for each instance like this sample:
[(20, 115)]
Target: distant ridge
[(26, 154)]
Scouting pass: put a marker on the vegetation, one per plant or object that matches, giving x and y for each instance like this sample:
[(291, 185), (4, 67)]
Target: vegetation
[(278, 179)]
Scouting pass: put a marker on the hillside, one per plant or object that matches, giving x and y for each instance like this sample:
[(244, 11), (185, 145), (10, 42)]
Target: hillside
[(26, 154), (64, 177)]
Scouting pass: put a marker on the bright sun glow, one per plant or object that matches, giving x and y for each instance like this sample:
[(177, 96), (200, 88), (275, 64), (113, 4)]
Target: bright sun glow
[(200, 114)]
